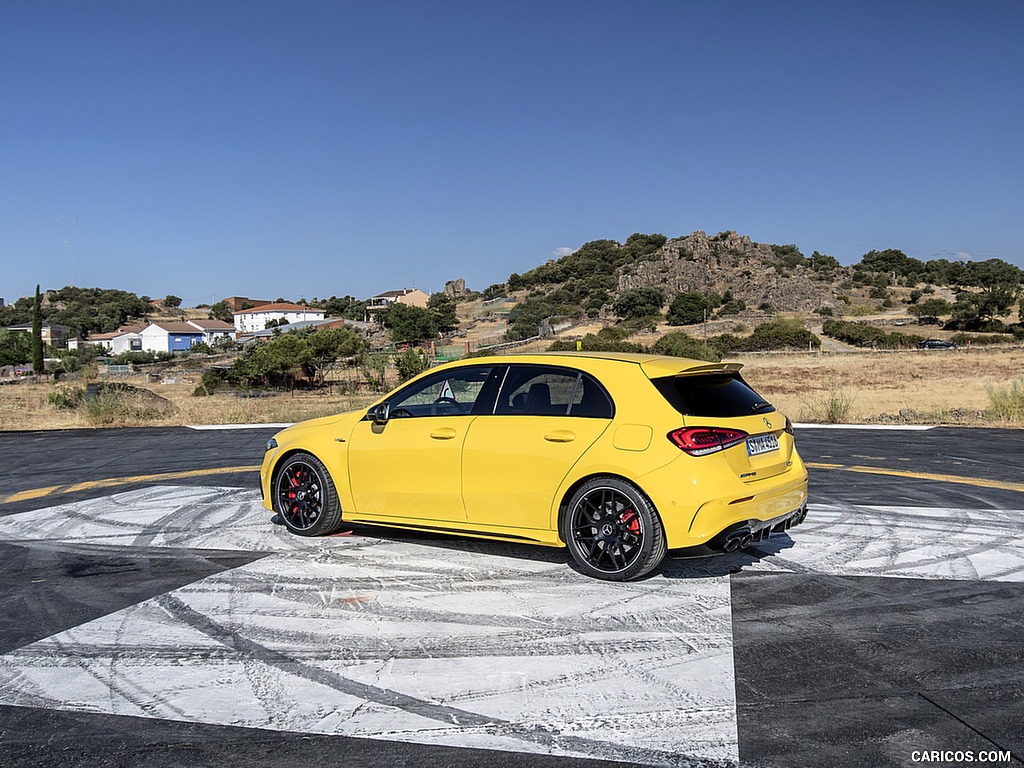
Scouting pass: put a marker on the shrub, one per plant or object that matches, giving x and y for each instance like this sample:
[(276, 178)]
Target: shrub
[(594, 343), (209, 383), (689, 307), (117, 404), (864, 335), (66, 398), (781, 333), (409, 363), (1007, 404), (681, 344), (834, 407)]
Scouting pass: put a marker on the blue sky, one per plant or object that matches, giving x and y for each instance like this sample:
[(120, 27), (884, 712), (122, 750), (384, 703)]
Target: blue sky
[(301, 149)]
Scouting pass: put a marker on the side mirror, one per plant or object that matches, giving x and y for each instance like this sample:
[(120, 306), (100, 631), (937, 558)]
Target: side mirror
[(380, 413)]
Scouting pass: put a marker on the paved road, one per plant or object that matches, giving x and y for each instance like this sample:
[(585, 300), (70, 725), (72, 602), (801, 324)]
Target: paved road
[(153, 617)]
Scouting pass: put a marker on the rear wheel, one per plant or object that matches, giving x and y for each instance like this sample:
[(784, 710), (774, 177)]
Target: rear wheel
[(612, 530), (305, 497)]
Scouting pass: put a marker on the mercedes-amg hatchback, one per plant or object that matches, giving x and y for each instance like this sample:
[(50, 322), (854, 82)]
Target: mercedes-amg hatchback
[(618, 457)]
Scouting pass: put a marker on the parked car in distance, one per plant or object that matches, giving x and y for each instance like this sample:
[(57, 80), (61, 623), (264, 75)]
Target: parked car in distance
[(618, 457), (936, 344)]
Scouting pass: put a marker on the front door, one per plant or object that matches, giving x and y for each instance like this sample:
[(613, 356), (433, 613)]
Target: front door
[(411, 466)]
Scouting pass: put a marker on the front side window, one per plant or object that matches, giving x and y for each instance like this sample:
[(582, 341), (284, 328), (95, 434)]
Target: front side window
[(536, 390), (452, 393)]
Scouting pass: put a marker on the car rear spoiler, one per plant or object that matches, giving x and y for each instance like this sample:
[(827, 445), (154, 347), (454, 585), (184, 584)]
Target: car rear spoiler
[(656, 369)]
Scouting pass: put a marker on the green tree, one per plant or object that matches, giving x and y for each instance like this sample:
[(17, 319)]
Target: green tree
[(272, 362), (347, 306), (788, 256), (327, 346), (931, 308), (443, 309), (639, 302), (689, 307), (821, 262), (410, 362), (37, 334), (172, 302), (890, 261), (15, 347), (409, 324), (221, 311)]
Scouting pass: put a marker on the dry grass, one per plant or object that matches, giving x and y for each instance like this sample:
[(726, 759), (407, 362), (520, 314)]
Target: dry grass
[(940, 387), (26, 406), (934, 387)]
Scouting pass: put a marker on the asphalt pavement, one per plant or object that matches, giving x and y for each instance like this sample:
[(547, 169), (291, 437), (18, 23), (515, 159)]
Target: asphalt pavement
[(153, 616)]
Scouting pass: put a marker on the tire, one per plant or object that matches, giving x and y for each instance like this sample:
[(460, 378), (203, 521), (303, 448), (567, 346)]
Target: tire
[(612, 530), (305, 497)]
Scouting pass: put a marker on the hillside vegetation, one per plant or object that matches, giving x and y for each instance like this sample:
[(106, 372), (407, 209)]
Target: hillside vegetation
[(689, 280)]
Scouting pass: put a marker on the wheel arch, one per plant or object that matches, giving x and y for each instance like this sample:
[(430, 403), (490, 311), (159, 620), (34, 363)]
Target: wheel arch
[(341, 484), (570, 490)]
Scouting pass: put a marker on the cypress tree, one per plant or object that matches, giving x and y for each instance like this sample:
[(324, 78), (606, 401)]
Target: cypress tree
[(37, 335)]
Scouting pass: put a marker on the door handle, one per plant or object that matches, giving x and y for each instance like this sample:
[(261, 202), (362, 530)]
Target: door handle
[(444, 433), (560, 436)]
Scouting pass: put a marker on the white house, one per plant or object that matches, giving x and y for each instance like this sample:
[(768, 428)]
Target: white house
[(256, 319), (127, 338), (213, 330)]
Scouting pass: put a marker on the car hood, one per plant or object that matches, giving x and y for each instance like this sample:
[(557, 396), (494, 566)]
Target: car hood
[(324, 421)]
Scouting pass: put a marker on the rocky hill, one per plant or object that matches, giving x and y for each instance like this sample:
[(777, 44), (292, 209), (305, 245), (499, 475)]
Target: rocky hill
[(755, 273)]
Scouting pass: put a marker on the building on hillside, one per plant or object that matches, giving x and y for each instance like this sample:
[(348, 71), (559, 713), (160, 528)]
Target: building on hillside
[(213, 330), (238, 303), (127, 338), (331, 322), (414, 297), (54, 334), (256, 319), (170, 337)]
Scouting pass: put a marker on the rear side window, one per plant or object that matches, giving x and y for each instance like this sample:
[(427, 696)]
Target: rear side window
[(535, 390), (713, 395)]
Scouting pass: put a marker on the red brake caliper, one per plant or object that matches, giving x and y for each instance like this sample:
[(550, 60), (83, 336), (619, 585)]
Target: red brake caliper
[(631, 520), (292, 494)]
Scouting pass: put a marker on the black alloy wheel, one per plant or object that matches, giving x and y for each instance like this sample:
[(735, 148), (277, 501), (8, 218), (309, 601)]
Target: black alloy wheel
[(613, 531), (305, 496)]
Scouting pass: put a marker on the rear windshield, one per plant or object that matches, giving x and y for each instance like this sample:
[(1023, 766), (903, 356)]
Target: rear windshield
[(712, 395)]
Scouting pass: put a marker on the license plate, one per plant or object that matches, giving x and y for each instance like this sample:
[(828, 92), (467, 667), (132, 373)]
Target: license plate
[(762, 444)]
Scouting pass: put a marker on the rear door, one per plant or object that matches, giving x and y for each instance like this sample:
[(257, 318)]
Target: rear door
[(544, 420)]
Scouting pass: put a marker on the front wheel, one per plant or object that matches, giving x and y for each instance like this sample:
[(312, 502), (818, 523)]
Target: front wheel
[(612, 530), (305, 497)]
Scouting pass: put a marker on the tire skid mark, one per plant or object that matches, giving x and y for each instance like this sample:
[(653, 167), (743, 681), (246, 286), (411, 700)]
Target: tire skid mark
[(440, 713)]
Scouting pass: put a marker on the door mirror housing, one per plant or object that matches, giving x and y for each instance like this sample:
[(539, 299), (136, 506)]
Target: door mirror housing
[(380, 413)]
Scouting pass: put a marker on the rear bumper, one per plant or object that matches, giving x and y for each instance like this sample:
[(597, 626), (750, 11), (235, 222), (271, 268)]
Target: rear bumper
[(757, 507)]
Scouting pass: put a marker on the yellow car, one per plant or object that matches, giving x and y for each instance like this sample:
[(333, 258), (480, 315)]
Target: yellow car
[(618, 457)]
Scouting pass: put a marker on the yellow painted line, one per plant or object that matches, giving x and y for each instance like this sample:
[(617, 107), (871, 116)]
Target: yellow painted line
[(113, 482), (978, 482)]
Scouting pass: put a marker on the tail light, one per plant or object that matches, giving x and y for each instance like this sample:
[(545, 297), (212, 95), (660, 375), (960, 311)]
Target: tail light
[(700, 441), (789, 426)]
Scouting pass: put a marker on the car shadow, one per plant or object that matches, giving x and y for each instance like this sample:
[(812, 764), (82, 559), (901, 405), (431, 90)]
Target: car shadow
[(702, 563), (694, 563)]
